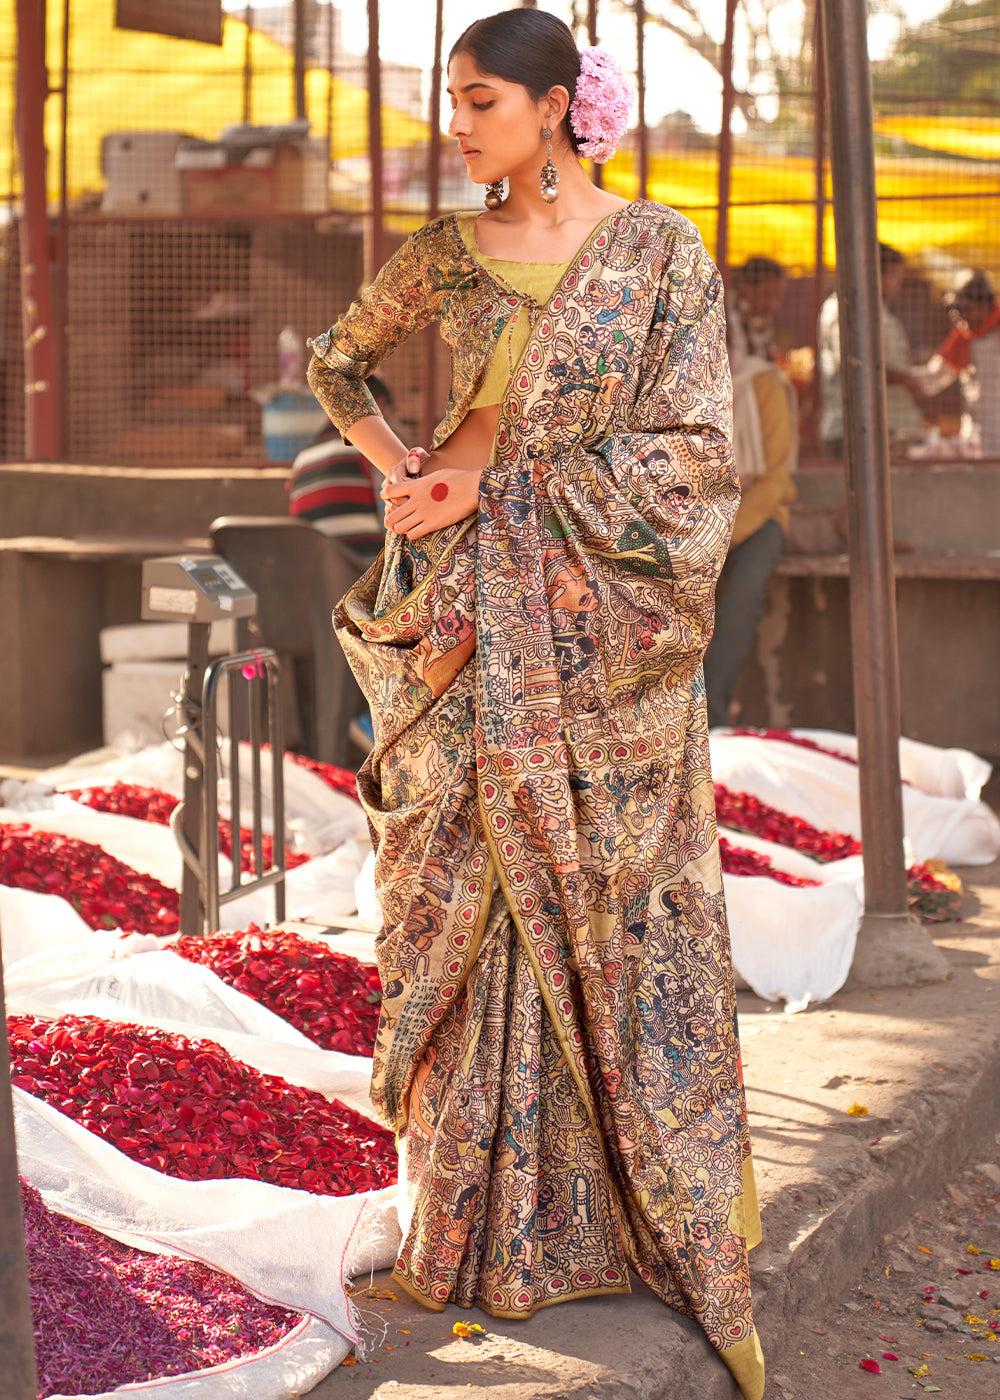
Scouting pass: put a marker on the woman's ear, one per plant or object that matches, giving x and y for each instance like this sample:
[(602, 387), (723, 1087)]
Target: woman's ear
[(556, 106)]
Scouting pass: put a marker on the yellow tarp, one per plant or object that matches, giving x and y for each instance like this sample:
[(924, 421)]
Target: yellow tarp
[(957, 213), (978, 137), (125, 80)]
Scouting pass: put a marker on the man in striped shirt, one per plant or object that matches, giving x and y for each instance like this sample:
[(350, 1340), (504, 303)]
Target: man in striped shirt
[(335, 488)]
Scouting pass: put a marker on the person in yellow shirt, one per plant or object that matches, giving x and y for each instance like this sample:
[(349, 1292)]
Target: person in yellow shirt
[(765, 443)]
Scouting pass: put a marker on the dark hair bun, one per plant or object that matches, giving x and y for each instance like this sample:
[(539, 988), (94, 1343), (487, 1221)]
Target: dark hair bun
[(525, 46)]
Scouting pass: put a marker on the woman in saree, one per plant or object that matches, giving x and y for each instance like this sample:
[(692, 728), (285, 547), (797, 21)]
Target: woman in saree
[(557, 1050)]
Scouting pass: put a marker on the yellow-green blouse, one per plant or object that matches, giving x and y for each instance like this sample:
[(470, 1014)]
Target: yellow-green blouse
[(436, 276), (536, 282)]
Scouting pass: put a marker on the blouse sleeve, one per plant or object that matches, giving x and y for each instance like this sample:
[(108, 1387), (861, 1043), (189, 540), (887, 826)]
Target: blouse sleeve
[(402, 299)]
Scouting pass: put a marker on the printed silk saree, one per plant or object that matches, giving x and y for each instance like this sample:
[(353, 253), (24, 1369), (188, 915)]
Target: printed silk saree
[(558, 1050)]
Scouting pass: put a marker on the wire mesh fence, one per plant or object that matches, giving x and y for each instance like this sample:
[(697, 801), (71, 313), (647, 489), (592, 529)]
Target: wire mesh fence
[(205, 196)]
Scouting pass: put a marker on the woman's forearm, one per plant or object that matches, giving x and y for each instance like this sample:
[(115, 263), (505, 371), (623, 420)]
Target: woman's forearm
[(375, 439)]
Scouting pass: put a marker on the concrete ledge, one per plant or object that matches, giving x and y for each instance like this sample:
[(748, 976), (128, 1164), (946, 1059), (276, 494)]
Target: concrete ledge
[(61, 499)]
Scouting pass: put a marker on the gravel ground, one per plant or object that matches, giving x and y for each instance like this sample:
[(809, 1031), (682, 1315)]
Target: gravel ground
[(921, 1299)]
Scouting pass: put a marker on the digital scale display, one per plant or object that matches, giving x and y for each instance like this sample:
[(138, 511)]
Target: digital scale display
[(194, 588)]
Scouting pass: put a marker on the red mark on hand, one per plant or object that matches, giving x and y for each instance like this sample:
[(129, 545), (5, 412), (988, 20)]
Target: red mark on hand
[(439, 491)]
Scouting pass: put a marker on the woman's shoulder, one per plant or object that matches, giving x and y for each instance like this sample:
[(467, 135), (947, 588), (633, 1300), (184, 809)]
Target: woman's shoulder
[(669, 223), (443, 230)]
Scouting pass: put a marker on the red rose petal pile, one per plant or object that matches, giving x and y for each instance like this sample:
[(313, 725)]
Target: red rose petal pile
[(107, 1315), (737, 860), (153, 805), (105, 892), (743, 812), (189, 1109), (934, 899), (340, 779), (330, 997)]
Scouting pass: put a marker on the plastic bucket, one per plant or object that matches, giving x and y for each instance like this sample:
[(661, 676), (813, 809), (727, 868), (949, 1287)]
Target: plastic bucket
[(289, 422)]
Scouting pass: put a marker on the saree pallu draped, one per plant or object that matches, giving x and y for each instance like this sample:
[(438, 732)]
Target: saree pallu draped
[(558, 1049)]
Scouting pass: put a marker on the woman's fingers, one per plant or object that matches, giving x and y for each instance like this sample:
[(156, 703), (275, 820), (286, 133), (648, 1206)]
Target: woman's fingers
[(407, 469)]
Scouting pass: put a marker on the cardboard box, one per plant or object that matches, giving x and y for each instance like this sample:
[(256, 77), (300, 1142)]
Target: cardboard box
[(263, 174), (140, 174), (161, 641), (137, 696)]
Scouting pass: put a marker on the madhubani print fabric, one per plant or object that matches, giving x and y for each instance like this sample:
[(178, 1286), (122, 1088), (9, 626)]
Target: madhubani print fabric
[(558, 1048)]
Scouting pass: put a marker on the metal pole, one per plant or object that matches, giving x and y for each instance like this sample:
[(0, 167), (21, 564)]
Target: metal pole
[(819, 157), (17, 1345), (43, 397), (247, 63), (430, 405), (434, 149), (61, 309), (892, 947), (597, 170), (299, 42), (330, 94), (726, 144), (196, 838), (640, 75), (375, 242)]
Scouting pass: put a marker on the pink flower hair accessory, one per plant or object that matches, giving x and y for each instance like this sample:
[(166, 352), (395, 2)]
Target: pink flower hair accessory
[(599, 112)]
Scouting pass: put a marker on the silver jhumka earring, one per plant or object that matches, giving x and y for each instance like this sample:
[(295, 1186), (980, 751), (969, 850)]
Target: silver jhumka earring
[(549, 174), (494, 194)]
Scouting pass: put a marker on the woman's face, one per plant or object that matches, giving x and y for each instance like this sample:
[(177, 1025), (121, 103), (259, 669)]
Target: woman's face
[(496, 123)]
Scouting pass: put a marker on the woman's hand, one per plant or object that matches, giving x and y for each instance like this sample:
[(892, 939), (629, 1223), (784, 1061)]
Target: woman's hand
[(405, 469), (417, 505)]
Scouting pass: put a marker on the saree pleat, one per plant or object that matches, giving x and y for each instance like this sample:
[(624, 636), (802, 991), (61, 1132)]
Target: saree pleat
[(557, 1050)]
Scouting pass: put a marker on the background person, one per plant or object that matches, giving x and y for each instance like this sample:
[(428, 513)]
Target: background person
[(765, 445), (971, 354), (334, 486), (758, 291), (557, 1048), (904, 395)]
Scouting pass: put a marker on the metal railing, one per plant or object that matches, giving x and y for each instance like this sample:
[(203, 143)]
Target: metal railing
[(259, 669), (254, 697)]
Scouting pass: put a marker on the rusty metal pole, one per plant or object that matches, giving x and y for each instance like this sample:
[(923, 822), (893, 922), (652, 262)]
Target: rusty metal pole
[(330, 95), (892, 947), (597, 171), (726, 145), (430, 403), (375, 242), (247, 64), (640, 82), (17, 1338), (299, 57), (43, 397), (819, 158), (60, 289)]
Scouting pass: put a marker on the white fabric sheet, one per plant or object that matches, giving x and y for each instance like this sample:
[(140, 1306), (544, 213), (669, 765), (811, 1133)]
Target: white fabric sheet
[(823, 790), (287, 1246), (322, 888)]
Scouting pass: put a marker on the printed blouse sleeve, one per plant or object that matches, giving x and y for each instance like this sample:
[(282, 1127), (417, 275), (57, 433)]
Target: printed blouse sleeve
[(402, 299)]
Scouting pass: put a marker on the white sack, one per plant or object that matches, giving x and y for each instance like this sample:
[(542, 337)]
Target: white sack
[(943, 772), (287, 1246), (824, 791), (318, 817), (791, 944)]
